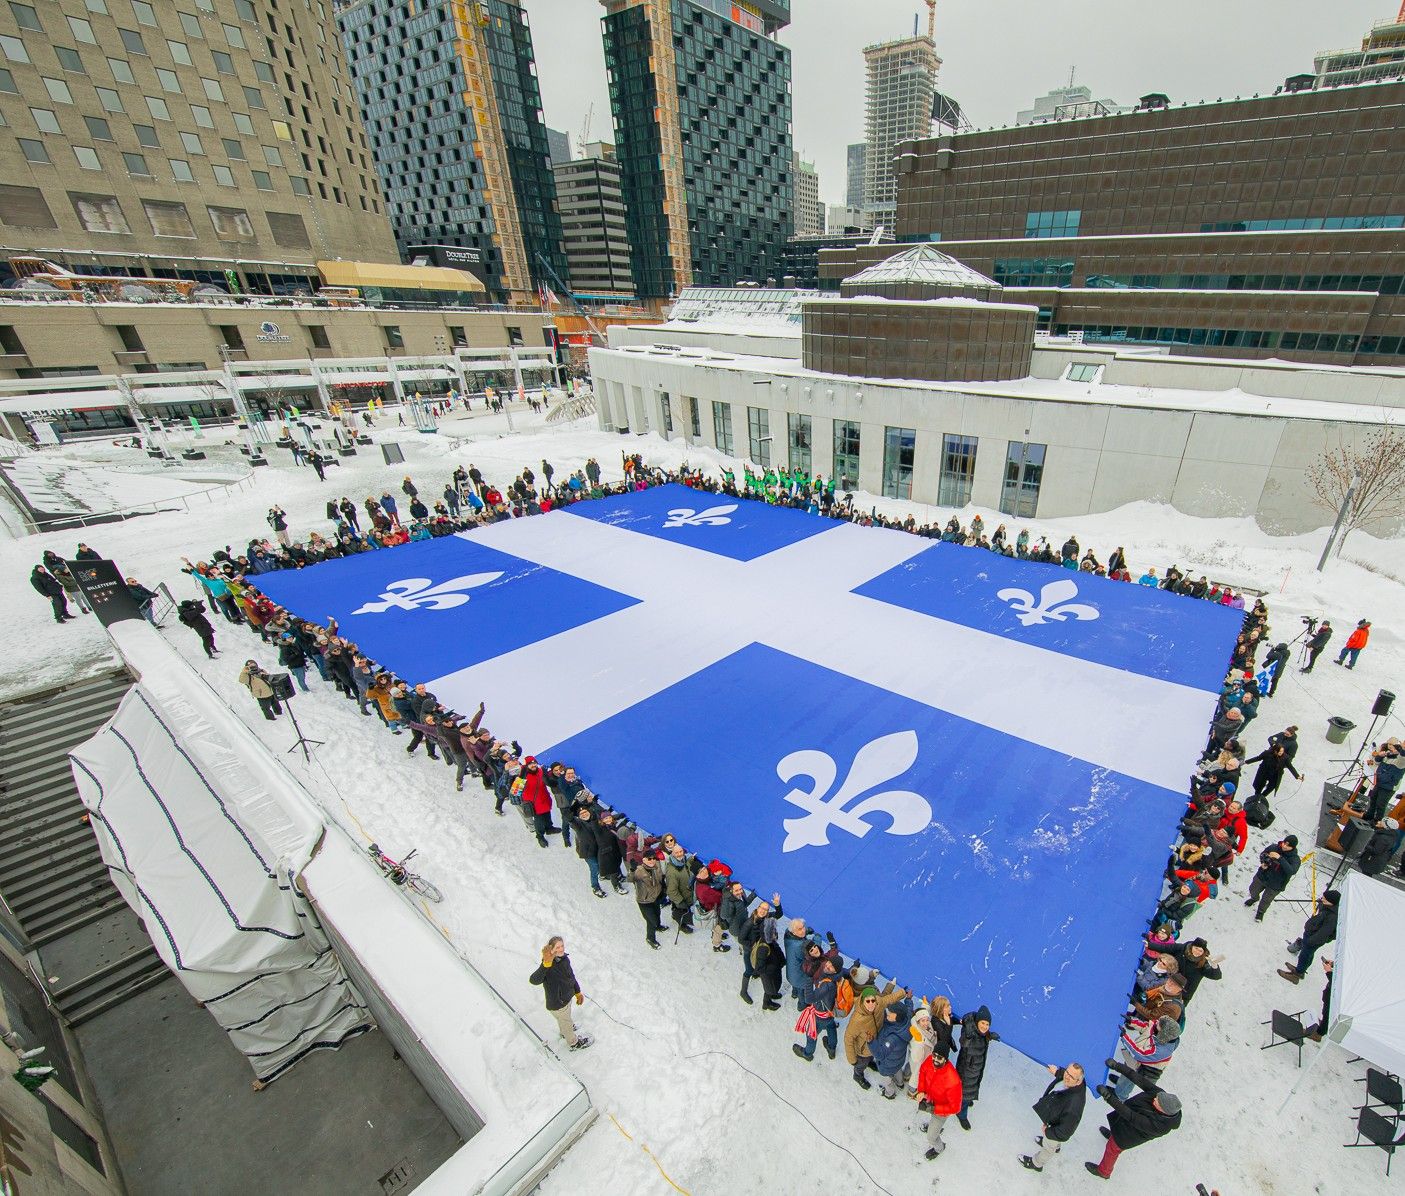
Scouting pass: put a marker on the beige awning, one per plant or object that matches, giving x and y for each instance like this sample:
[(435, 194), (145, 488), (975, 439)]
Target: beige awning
[(382, 274)]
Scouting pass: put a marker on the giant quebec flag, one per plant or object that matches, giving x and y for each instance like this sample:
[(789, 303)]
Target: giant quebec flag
[(967, 767)]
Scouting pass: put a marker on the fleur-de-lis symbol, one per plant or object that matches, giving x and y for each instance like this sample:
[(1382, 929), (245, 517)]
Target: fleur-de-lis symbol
[(687, 517), (1053, 604), (411, 593), (877, 762)]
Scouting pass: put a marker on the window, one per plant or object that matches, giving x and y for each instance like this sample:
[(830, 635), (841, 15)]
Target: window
[(457, 336), (146, 135), (26, 17), (263, 71), (121, 71), (191, 24), (13, 49), (180, 53), (758, 431), (230, 334), (168, 80), (191, 142), (694, 418), (180, 170), (223, 175), (234, 36), (232, 148), (1052, 224), (98, 129), (318, 335), (131, 39), (231, 224), (69, 60), (7, 82), (271, 156), (393, 339), (45, 120), (1034, 272), (168, 219), (24, 207), (299, 185), (136, 164), (242, 122), (666, 412), (99, 213), (722, 427), (899, 449), (98, 6), (1084, 371), (202, 116), (262, 180), (846, 454), (146, 15), (223, 62), (958, 470), (82, 30), (254, 97), (1024, 470), (130, 338), (157, 107), (58, 91), (282, 131), (245, 10), (798, 441), (33, 151), (109, 99)]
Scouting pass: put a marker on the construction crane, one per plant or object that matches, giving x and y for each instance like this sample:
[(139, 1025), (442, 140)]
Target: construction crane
[(585, 130), (932, 19)]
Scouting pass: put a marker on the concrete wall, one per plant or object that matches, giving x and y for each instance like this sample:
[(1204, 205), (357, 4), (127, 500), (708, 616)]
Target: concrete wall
[(1099, 455)]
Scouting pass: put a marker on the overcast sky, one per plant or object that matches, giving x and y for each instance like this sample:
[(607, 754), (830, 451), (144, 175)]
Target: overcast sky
[(997, 55)]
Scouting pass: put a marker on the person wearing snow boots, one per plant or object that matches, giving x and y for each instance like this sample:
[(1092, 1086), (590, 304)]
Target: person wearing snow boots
[(866, 1019), (889, 1048), (976, 1037), (1321, 927), (939, 1084), (1060, 1110), (558, 981)]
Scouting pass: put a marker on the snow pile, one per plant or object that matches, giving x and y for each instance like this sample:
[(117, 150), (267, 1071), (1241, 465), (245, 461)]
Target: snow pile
[(702, 1084)]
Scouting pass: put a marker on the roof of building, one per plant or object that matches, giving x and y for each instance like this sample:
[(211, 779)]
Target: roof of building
[(923, 264), (380, 274)]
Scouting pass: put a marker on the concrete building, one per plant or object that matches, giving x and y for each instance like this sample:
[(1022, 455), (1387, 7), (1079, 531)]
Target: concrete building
[(853, 182), (809, 211), (449, 97), (902, 79), (700, 91), (924, 380), (1064, 103), (594, 228), (212, 145), (1203, 227), (1381, 56)]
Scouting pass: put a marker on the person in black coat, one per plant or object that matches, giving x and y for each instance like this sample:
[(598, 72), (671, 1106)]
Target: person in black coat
[(1278, 864), (1278, 655), (1316, 643), (558, 980), (1152, 1113), (582, 821), (1060, 1110), (608, 851), (1319, 930), (976, 1037), (1273, 762), (1194, 962), (191, 612), (48, 585)]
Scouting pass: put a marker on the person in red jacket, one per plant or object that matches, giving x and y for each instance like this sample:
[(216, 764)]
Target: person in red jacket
[(707, 891), (1237, 825), (1354, 643), (537, 797), (940, 1083)]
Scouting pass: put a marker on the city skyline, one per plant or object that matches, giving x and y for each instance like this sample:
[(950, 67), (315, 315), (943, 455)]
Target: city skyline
[(1210, 50)]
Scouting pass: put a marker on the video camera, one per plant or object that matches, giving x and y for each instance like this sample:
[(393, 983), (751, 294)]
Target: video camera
[(192, 606), (1310, 622)]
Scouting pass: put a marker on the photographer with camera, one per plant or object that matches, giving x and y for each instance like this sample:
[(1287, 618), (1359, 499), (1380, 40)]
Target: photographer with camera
[(1389, 762), (260, 685), (1316, 641)]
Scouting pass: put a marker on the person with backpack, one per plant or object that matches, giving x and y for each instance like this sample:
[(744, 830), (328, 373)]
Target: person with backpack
[(558, 981), (707, 892), (1278, 864), (759, 927)]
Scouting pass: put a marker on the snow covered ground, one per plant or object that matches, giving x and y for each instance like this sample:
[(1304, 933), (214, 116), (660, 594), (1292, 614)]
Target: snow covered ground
[(698, 1087)]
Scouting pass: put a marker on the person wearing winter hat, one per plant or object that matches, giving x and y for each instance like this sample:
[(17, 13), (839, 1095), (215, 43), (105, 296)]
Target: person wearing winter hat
[(865, 1020), (1151, 1114), (1319, 930), (1147, 1046), (1375, 856), (1060, 1110), (1278, 864), (976, 1037)]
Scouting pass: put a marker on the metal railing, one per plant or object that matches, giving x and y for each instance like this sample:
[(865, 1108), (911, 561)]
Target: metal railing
[(47, 522), (214, 299)]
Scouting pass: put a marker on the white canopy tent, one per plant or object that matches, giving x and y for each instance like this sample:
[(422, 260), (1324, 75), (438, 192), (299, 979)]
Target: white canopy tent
[(1368, 975)]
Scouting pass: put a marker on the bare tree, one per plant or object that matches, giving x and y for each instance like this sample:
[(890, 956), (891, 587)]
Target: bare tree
[(1378, 464)]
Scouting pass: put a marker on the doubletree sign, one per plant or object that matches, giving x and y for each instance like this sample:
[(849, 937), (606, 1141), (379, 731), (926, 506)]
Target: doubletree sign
[(270, 333)]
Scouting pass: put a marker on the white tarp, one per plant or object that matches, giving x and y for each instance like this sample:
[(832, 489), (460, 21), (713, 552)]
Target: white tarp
[(167, 796), (1368, 975)]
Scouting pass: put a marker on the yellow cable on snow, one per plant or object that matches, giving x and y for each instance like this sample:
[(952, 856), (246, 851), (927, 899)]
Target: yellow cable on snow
[(653, 1157)]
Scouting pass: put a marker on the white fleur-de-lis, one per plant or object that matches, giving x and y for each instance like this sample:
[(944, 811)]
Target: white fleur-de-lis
[(1054, 605), (412, 593), (877, 762), (712, 517)]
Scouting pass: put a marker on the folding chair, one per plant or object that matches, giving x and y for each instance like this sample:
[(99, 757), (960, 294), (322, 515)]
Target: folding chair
[(1383, 1090), (1289, 1028), (1378, 1131)]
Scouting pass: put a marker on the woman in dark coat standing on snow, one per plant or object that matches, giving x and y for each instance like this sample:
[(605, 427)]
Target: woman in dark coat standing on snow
[(1273, 762), (976, 1037)]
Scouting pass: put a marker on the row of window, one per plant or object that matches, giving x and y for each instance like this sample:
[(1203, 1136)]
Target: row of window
[(1302, 223), (1385, 284), (1052, 224)]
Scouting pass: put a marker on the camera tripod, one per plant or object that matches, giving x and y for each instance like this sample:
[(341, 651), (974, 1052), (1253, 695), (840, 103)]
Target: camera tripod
[(303, 741)]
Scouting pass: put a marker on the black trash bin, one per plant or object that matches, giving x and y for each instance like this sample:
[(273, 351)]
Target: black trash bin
[(1337, 728)]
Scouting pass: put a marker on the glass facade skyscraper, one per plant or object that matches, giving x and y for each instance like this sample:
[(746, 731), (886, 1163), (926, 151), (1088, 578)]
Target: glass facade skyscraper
[(449, 96), (700, 91)]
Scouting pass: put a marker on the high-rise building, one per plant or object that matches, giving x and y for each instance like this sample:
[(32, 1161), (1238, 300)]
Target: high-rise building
[(558, 146), (593, 226), (220, 145), (809, 211), (700, 91), (853, 182), (902, 79), (449, 96), (1382, 56), (1063, 103)]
